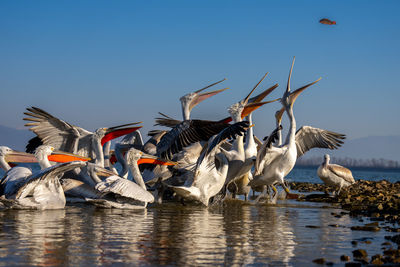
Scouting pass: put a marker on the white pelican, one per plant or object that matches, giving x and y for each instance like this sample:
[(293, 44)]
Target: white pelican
[(335, 175), (66, 137), (118, 192), (9, 155), (274, 163), (189, 101), (211, 168), (307, 137), (42, 190)]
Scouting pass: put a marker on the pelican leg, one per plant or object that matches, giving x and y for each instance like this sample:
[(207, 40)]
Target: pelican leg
[(235, 190), (274, 195)]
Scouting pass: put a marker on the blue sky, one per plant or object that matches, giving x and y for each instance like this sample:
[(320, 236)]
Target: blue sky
[(102, 63)]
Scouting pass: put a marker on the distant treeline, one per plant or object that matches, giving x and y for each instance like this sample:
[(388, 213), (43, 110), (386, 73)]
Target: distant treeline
[(350, 162)]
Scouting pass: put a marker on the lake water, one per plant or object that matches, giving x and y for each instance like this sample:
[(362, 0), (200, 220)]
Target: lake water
[(172, 234), (309, 174)]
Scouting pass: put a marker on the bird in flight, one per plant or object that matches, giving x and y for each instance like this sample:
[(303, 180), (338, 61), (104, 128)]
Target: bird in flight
[(327, 21)]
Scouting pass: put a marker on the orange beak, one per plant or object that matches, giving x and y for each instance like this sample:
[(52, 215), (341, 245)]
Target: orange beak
[(253, 106), (146, 158), (113, 133), (61, 157)]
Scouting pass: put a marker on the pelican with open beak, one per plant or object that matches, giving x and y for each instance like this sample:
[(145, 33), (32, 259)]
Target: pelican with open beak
[(189, 101), (274, 163)]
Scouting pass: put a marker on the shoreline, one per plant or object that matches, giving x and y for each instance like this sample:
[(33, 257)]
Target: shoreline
[(378, 200)]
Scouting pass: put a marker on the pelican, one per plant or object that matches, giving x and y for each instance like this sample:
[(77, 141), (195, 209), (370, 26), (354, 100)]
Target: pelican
[(211, 168), (306, 138), (118, 192), (9, 155), (66, 137), (240, 157), (188, 132), (274, 163), (335, 175), (189, 101), (42, 190)]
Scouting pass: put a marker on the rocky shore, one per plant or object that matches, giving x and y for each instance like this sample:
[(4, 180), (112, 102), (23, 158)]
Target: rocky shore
[(380, 201)]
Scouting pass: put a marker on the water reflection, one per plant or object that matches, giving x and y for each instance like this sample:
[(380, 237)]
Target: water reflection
[(234, 235)]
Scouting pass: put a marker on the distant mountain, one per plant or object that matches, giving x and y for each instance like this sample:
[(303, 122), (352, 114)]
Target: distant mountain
[(14, 138), (372, 147)]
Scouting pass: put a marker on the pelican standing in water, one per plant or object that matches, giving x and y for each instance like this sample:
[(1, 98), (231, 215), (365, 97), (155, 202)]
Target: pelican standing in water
[(335, 175), (211, 168), (274, 163)]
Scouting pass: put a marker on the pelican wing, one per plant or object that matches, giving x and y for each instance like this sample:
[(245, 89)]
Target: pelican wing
[(229, 132), (13, 180), (267, 153), (308, 137), (48, 173), (166, 121), (52, 131), (123, 187), (186, 133), (341, 172)]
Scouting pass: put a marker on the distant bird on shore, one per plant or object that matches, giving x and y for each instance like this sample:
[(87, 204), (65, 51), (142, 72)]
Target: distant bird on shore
[(327, 21), (335, 175)]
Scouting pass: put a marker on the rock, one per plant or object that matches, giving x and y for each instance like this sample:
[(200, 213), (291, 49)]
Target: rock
[(377, 260), (360, 253), (319, 261), (354, 243), (395, 239), (312, 226), (365, 228), (345, 258), (353, 264)]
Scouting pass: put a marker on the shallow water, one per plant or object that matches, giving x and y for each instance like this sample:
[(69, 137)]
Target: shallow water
[(309, 174), (173, 234)]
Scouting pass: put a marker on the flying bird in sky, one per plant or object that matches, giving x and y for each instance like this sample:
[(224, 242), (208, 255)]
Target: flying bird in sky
[(327, 21)]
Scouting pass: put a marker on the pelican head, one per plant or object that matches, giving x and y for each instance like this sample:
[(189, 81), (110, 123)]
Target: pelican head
[(189, 101), (133, 155), (327, 158), (289, 98), (43, 151), (9, 155), (4, 150)]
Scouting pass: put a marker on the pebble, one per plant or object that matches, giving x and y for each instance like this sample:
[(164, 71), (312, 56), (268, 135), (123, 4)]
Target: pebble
[(345, 258), (360, 253), (319, 261)]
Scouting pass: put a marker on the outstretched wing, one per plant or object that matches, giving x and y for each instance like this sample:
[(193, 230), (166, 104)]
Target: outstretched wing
[(52, 131), (308, 137), (166, 121), (229, 132), (186, 133)]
